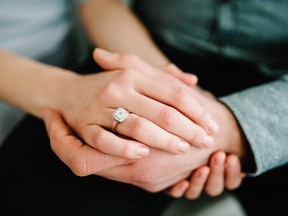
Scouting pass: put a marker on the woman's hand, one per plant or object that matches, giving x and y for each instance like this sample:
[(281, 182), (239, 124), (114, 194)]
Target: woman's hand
[(163, 114)]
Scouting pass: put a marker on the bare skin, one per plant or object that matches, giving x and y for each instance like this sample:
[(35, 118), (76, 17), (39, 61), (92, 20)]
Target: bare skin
[(160, 169)]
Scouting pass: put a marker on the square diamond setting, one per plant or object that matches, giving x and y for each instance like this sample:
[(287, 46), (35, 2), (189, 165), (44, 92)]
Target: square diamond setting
[(120, 114)]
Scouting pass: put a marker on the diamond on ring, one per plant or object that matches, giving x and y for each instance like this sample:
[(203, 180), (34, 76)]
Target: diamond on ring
[(120, 114)]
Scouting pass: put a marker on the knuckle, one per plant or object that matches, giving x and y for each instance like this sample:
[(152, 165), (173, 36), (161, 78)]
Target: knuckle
[(167, 117), (79, 166), (126, 150), (127, 74), (204, 116), (99, 137), (171, 67), (144, 178), (179, 95), (198, 136), (83, 166), (110, 92), (172, 141)]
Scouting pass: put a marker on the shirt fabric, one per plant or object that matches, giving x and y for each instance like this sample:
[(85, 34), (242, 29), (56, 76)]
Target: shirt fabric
[(253, 31), (47, 31)]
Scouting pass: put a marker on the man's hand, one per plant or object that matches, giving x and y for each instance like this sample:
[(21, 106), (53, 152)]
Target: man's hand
[(223, 171), (82, 159), (160, 169), (153, 173)]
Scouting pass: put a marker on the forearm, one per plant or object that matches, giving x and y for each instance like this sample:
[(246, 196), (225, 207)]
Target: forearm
[(111, 25), (30, 85)]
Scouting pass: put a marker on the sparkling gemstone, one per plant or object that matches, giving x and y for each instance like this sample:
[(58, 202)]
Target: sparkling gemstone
[(120, 114)]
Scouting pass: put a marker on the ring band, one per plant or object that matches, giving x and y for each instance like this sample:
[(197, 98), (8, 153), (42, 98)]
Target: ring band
[(119, 115)]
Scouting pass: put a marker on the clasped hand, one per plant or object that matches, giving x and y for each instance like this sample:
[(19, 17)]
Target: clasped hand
[(167, 134)]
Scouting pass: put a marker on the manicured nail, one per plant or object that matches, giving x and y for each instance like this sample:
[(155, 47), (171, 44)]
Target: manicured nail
[(142, 151), (207, 141), (183, 146)]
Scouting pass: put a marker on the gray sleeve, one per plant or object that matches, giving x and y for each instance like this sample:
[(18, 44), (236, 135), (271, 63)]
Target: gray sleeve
[(262, 112)]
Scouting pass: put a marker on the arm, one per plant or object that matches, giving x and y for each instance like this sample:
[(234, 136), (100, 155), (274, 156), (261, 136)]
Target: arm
[(262, 112), (82, 100), (111, 25), (105, 19), (252, 111), (30, 85), (148, 173)]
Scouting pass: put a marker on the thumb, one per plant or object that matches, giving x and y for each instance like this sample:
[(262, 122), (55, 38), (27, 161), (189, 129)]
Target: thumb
[(107, 60)]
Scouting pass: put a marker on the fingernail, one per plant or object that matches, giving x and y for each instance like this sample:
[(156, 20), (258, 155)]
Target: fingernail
[(207, 141), (183, 146), (213, 126), (103, 52), (142, 151)]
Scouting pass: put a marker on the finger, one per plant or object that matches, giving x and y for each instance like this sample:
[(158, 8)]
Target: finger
[(81, 159), (188, 78), (109, 143), (166, 117), (157, 125), (112, 61), (178, 189), (151, 134), (161, 91), (197, 182), (233, 172), (171, 120), (170, 93), (139, 130), (182, 100), (143, 178), (215, 182)]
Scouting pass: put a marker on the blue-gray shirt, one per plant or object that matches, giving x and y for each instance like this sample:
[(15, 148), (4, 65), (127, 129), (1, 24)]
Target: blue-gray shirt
[(253, 31)]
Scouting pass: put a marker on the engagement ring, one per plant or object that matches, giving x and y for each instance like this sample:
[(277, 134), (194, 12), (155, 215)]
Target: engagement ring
[(119, 115)]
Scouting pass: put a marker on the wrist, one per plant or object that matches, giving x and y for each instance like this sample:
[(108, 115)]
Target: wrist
[(55, 92), (230, 138)]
